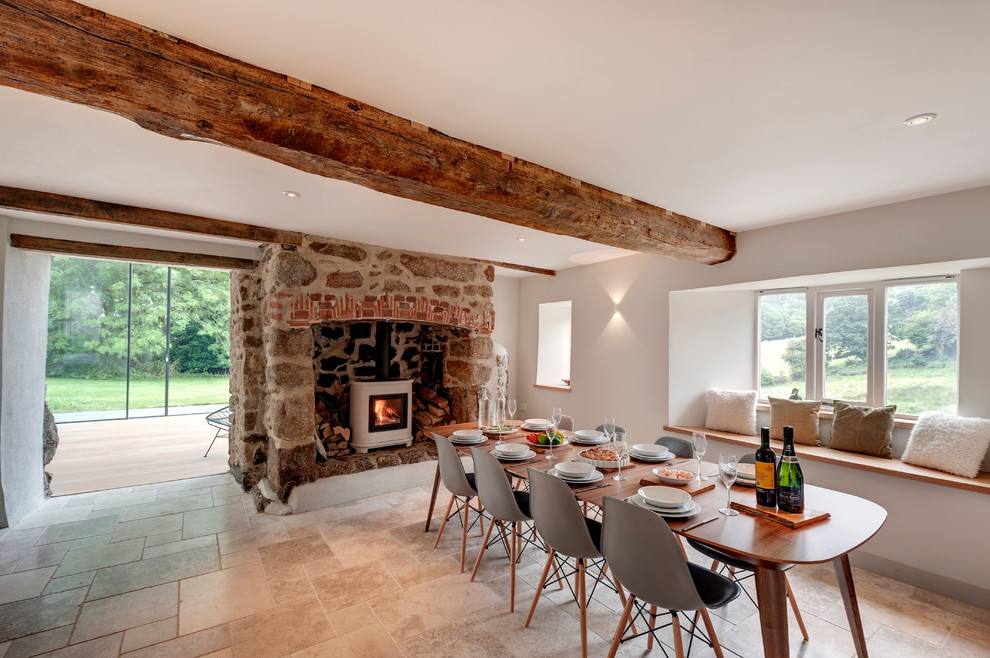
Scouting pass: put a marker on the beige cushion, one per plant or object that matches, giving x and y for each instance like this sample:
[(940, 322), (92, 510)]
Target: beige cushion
[(950, 443), (802, 415), (732, 411), (863, 429)]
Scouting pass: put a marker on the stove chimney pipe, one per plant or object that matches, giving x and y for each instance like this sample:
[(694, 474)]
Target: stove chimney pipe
[(383, 343)]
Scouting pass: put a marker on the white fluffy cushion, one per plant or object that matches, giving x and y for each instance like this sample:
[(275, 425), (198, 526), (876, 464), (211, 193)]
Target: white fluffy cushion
[(732, 411), (950, 443)]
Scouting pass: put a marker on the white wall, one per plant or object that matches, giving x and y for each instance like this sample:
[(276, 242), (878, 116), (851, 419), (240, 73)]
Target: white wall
[(23, 337), (629, 366), (506, 302)]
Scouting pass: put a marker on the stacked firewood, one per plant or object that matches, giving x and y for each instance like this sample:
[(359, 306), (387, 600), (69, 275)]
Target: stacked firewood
[(430, 409), (331, 436)]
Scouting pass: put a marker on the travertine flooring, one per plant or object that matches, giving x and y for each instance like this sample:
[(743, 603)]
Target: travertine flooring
[(188, 569)]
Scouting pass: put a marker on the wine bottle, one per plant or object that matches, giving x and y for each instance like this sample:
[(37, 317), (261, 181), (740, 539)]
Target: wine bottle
[(790, 480), (766, 473)]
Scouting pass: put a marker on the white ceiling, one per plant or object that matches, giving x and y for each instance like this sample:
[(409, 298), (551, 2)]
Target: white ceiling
[(740, 114)]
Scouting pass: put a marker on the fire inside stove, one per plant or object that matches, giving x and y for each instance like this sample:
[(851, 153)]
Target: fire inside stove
[(388, 412)]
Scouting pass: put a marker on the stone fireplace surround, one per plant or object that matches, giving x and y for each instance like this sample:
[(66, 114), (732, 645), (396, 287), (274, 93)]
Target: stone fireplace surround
[(297, 291)]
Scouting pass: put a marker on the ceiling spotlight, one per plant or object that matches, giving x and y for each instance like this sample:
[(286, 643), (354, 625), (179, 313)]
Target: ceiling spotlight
[(291, 194), (919, 119), (521, 239)]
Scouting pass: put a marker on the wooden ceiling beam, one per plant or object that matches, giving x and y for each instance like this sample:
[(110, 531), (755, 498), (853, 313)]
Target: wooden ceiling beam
[(130, 254), (72, 52), (46, 203)]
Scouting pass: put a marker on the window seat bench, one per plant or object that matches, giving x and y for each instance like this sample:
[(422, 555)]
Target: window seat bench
[(891, 467)]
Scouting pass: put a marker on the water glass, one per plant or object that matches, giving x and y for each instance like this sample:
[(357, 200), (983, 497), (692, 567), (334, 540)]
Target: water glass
[(512, 408), (700, 442), (608, 428), (621, 447), (728, 470)]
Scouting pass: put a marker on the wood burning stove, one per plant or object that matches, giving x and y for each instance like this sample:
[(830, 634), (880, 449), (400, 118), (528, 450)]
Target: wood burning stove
[(387, 412), (381, 409)]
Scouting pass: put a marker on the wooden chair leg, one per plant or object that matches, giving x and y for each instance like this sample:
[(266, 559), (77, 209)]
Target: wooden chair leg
[(617, 638), (481, 517), (481, 552), (583, 603), (794, 606), (512, 569), (464, 528), (622, 594), (678, 640), (716, 647), (443, 524), (653, 624), (539, 588)]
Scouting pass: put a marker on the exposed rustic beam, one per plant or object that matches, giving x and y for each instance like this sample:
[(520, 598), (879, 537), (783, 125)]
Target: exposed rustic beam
[(65, 50), (69, 206), (132, 254), (521, 268)]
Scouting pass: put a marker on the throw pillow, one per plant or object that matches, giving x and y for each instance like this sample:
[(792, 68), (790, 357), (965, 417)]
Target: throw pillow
[(732, 411), (802, 415), (950, 443), (863, 429)]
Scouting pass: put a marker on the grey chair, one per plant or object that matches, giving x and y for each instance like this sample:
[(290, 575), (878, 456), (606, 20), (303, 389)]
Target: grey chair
[(633, 537), (680, 447), (601, 428), (566, 531), (566, 423), (461, 485), (723, 561), (505, 506)]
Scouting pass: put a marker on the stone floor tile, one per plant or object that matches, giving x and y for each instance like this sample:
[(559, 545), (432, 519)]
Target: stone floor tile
[(353, 618), (975, 631), (336, 647), (78, 500), (102, 513), (123, 499), (355, 551), (211, 520), (223, 653), (83, 579), (153, 633), (52, 517), (341, 589), (372, 641), (249, 538), (956, 607), (199, 643), (11, 552), (124, 611), (462, 637), (19, 534), (205, 541), (163, 538), (39, 614), (286, 628), (104, 646), (97, 557), (78, 529), (166, 507), (147, 527), (222, 596), (241, 557), (46, 555), (209, 481), (24, 584), (889, 643), (89, 542), (32, 645), (961, 647), (889, 608), (153, 571)]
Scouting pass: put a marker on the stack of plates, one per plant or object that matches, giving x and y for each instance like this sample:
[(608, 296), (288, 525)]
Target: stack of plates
[(535, 424), (650, 452), (589, 437), (747, 475), (667, 502), (495, 429), (512, 452), (576, 472), (467, 437)]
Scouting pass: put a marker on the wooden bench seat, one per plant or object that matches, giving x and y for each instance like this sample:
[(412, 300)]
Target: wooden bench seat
[(891, 467)]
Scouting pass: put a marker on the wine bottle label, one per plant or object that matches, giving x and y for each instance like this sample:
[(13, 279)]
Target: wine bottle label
[(765, 475), (788, 498)]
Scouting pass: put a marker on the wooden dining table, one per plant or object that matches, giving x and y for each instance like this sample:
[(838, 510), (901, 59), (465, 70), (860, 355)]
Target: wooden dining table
[(768, 545)]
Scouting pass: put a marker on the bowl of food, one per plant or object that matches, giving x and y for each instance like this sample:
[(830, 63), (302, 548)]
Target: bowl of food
[(664, 496), (675, 476), (602, 458), (575, 469)]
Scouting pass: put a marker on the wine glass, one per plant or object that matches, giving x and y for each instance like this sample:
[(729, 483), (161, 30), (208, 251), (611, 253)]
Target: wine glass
[(700, 447), (728, 470), (621, 446), (500, 417), (608, 428), (512, 408), (553, 424)]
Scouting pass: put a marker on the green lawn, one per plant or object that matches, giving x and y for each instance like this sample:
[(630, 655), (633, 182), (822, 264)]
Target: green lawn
[(67, 395)]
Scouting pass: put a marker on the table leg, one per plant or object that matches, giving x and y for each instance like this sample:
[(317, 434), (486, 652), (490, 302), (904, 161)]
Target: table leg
[(843, 573), (772, 596), (433, 498)]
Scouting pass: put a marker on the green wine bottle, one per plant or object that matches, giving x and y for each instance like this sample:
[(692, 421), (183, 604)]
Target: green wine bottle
[(790, 480)]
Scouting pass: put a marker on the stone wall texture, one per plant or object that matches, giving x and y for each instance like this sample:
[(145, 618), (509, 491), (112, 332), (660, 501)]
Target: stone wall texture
[(326, 281)]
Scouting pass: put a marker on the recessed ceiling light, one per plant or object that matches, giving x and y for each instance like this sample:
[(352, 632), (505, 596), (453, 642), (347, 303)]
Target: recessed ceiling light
[(291, 194), (521, 239), (919, 119)]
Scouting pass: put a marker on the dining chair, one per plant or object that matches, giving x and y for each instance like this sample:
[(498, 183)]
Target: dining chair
[(680, 447), (461, 486), (505, 506), (567, 532), (566, 423), (601, 428), (722, 561), (634, 538)]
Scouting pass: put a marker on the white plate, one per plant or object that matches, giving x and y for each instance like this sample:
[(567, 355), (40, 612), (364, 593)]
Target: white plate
[(467, 434), (650, 458), (536, 422), (689, 505), (664, 496), (534, 428), (511, 448), (651, 450), (576, 478), (574, 469), (514, 458), (636, 499), (468, 442), (597, 476), (577, 438)]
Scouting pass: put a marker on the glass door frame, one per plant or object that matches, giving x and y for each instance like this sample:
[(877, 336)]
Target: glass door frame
[(816, 338)]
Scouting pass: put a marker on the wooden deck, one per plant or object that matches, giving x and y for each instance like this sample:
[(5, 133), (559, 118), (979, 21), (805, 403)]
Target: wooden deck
[(110, 454)]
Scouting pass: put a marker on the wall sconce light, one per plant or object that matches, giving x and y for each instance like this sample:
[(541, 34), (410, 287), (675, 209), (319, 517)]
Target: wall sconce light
[(615, 307)]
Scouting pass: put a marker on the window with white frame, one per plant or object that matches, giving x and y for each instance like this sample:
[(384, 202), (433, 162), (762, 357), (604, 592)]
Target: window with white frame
[(553, 356), (893, 342)]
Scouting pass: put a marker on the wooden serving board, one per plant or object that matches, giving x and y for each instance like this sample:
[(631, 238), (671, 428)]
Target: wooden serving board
[(792, 521), (693, 487)]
